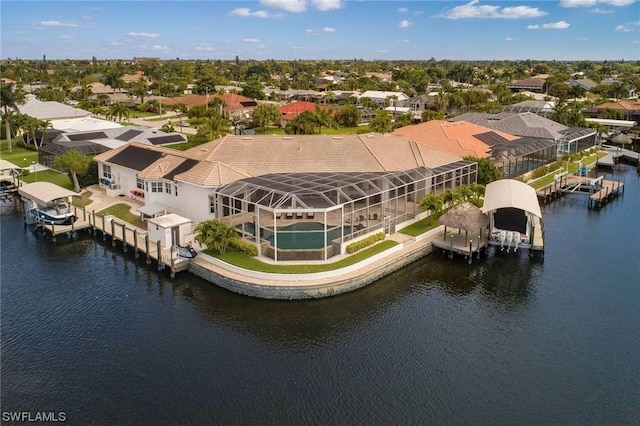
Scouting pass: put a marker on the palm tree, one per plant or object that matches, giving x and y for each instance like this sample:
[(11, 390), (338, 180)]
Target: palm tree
[(113, 78), (117, 111), (214, 234), (182, 108), (381, 123), (433, 204), (323, 117), (266, 115), (10, 98), (215, 126), (76, 163), (303, 124)]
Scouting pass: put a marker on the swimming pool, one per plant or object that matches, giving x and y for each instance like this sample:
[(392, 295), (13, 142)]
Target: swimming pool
[(301, 235)]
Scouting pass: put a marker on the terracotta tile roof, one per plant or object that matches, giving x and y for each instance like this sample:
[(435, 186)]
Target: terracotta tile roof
[(456, 138), (206, 173), (161, 167), (293, 109), (620, 105), (234, 101)]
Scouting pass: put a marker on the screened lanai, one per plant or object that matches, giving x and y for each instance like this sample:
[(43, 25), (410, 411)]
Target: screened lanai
[(514, 158), (312, 216)]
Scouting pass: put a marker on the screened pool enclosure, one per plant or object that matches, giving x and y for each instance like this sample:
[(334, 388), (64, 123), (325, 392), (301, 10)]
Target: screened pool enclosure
[(313, 216)]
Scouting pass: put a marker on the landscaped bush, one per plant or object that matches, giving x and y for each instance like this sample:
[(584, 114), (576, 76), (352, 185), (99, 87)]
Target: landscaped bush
[(371, 239), (555, 166), (243, 246), (539, 172)]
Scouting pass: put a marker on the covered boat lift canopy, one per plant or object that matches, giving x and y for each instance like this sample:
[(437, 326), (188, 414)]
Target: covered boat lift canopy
[(508, 193), (45, 192)]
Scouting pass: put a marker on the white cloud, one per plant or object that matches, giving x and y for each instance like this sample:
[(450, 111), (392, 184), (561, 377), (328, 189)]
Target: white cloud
[(509, 39), (251, 40), (324, 30), (404, 24), (560, 25), (403, 10), (58, 24), (591, 3), (602, 11), (384, 51), (582, 39), (627, 27), (143, 35), (204, 48), (329, 29), (245, 12), (324, 5), (66, 37), (474, 10), (160, 48), (297, 47), (404, 40), (635, 42), (533, 27), (294, 6)]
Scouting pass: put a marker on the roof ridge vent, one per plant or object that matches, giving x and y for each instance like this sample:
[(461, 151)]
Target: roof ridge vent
[(245, 138), (336, 137), (287, 138)]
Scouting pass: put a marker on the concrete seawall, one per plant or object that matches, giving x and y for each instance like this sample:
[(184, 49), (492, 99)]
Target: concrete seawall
[(291, 287)]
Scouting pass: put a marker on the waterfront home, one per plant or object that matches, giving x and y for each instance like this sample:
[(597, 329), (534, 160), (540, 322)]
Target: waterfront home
[(528, 124), (295, 197)]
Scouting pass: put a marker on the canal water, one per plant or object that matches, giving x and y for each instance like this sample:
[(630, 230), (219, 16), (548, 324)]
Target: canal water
[(106, 339)]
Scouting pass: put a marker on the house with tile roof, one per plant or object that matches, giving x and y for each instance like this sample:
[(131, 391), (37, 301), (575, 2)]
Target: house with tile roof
[(292, 110), (513, 155), (530, 125), (301, 197), (238, 107), (628, 110)]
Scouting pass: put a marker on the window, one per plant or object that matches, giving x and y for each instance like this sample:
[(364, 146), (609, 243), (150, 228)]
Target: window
[(156, 186), (167, 188), (176, 186), (106, 171), (139, 183), (212, 205)]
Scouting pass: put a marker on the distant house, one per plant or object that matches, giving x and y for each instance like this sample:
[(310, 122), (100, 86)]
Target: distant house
[(237, 107), (584, 83), (420, 103), (532, 84), (512, 155), (628, 111), (528, 124), (541, 108), (49, 110), (383, 98), (292, 110)]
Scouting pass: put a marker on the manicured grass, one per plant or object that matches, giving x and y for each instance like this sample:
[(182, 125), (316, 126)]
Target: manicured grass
[(421, 226), (573, 167), (83, 201), (20, 156), (242, 260), (53, 176), (123, 212)]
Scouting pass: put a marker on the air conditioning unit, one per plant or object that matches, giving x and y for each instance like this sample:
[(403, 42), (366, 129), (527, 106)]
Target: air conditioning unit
[(114, 186)]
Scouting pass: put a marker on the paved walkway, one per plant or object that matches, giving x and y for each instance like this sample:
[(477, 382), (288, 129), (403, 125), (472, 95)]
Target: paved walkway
[(166, 118)]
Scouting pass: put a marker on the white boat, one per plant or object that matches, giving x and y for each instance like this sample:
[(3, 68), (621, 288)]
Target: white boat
[(45, 201), (57, 212)]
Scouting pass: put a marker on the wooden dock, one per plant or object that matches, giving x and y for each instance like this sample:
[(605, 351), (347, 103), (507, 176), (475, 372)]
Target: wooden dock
[(599, 189), (131, 238), (463, 243)]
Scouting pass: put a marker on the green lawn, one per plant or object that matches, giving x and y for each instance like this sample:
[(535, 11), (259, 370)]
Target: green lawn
[(83, 201), (421, 226), (573, 167), (20, 156), (53, 176), (123, 212), (242, 260)]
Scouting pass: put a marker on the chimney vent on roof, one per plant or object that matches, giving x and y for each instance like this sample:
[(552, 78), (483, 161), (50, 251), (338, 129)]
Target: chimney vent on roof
[(299, 147)]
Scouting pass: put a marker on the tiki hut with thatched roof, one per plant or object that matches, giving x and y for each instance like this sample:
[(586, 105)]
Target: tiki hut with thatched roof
[(621, 139), (465, 216)]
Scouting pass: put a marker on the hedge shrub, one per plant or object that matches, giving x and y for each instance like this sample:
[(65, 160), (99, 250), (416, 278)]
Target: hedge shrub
[(243, 246), (366, 242)]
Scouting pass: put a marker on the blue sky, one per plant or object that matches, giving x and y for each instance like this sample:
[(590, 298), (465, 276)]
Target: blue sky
[(323, 29)]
